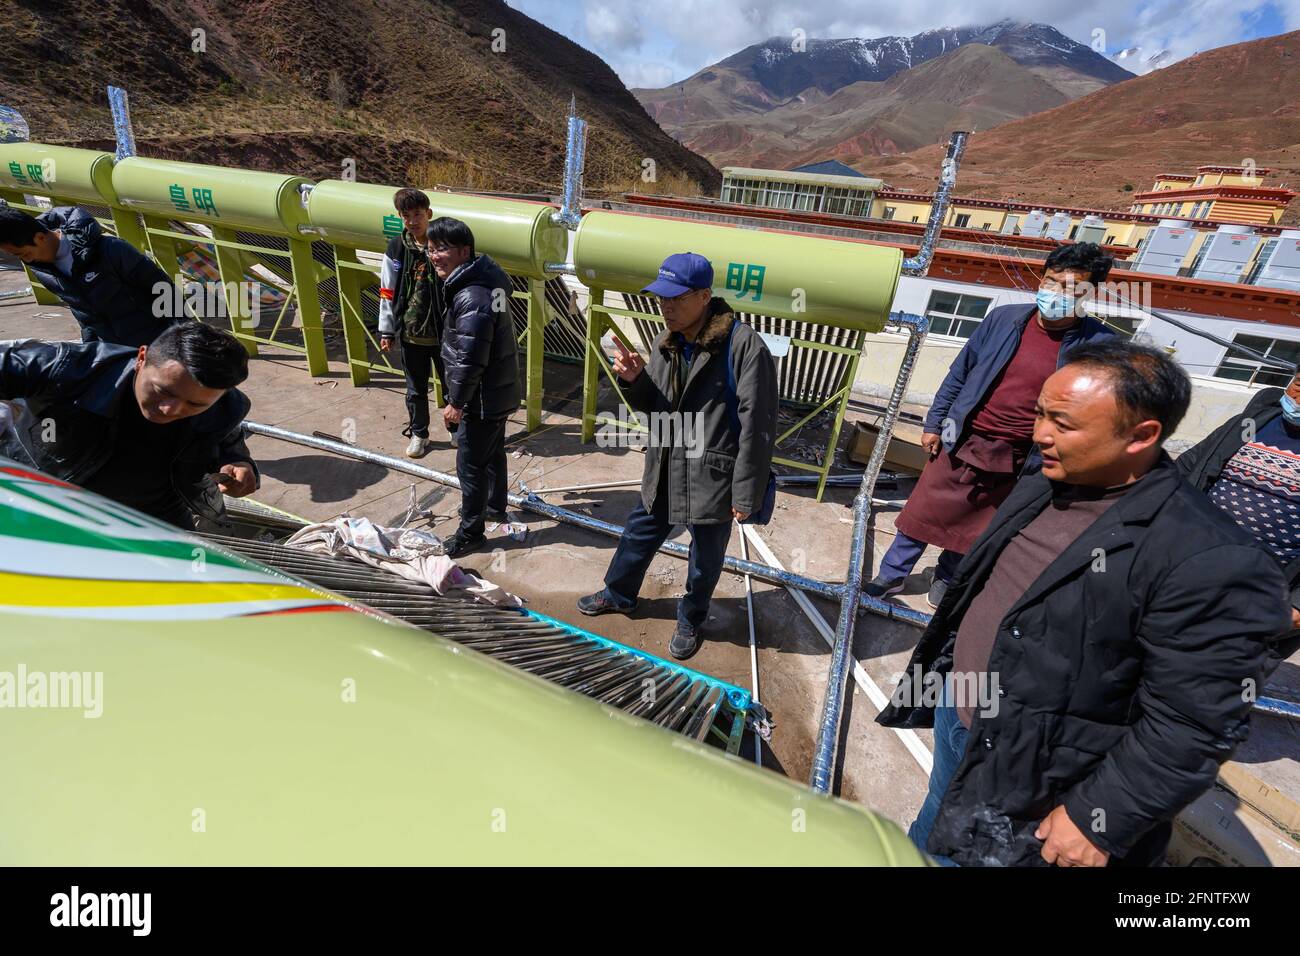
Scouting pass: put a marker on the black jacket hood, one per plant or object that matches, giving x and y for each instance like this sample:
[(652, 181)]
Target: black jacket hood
[(80, 227)]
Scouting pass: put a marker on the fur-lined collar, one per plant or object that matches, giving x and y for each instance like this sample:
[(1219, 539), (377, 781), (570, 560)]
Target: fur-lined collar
[(714, 333)]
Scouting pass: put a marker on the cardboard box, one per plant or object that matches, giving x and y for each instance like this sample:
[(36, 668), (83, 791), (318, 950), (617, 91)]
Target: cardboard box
[(1240, 821), (903, 453)]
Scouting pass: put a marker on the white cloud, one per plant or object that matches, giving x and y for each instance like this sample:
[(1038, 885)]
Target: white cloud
[(609, 30), (655, 43)]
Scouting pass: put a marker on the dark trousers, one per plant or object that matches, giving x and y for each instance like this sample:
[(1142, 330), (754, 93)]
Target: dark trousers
[(906, 551), (642, 536), (419, 362), (481, 468)]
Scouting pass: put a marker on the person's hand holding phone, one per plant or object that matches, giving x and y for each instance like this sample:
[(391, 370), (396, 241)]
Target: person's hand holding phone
[(237, 479)]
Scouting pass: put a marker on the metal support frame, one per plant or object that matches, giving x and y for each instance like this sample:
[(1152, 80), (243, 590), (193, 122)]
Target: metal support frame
[(164, 244), (354, 277), (828, 731), (531, 502)]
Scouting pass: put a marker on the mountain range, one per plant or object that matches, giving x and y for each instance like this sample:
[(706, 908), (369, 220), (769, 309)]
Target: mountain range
[(1233, 105), (773, 104)]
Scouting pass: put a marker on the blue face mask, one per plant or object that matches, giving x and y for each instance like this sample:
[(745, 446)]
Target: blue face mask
[(1054, 305), (1290, 410)]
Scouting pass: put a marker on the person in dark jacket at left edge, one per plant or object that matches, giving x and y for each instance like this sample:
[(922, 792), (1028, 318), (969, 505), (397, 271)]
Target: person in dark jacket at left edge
[(112, 288)]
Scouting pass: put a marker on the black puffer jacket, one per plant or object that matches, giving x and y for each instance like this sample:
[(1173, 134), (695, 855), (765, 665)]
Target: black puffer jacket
[(1122, 686), (113, 286), (478, 340), (66, 397)]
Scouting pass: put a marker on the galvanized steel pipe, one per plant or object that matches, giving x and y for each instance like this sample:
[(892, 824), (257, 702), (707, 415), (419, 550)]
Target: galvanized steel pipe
[(536, 505), (828, 732), (918, 264)]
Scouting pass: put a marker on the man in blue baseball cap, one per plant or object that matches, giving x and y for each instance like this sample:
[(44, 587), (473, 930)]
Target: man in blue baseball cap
[(712, 378)]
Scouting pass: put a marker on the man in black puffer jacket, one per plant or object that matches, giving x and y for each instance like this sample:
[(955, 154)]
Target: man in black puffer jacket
[(110, 286), (478, 354)]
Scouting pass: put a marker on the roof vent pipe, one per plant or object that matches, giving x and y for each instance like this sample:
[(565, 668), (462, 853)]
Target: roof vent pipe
[(122, 132), (919, 264), (575, 149)]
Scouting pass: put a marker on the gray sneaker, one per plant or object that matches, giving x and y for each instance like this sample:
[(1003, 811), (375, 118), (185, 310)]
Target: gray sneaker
[(938, 588), (878, 587), (685, 641)]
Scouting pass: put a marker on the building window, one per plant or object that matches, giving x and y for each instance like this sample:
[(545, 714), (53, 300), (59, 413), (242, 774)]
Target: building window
[(954, 314), (1110, 241), (1074, 232), (889, 212), (916, 219), (962, 221), (1243, 368)]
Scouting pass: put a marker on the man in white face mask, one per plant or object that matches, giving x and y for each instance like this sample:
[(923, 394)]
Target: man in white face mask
[(979, 431), (1250, 467)]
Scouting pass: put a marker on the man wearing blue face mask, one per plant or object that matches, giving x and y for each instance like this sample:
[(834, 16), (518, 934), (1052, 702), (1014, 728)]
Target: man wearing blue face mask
[(979, 431), (1250, 467)]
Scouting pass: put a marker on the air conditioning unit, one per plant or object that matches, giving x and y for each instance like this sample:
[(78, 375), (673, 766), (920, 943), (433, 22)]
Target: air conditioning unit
[(1034, 223), (1059, 227), (1278, 266), (1223, 257), (1165, 248), (1091, 229)]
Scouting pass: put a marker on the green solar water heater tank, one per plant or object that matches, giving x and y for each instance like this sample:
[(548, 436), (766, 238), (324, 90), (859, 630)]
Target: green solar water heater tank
[(806, 278), (519, 235), (216, 195), (85, 175)]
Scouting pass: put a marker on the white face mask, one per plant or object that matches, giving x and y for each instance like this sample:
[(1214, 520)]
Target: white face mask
[(1290, 410)]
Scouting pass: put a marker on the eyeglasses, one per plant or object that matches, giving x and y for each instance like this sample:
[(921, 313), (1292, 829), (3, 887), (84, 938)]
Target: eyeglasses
[(677, 301)]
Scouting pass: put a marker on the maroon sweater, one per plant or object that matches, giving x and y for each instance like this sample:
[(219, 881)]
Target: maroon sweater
[(1007, 411)]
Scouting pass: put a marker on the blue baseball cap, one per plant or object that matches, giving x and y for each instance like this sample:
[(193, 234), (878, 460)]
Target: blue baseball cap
[(682, 272)]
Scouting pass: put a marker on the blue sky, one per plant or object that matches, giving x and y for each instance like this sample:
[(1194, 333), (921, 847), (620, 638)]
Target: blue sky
[(656, 42)]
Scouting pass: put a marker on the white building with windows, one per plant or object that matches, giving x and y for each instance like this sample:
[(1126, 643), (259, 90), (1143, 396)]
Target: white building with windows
[(808, 188)]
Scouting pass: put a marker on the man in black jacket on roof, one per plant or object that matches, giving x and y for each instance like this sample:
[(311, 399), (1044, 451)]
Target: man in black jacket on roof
[(156, 428), (482, 374), (1101, 644), (116, 293)]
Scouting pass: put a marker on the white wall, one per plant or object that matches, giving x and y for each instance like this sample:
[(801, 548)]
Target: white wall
[(1213, 400)]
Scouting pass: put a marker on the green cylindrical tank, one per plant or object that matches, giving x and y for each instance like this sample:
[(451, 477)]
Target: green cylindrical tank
[(265, 202), (59, 171), (807, 278), (519, 235)]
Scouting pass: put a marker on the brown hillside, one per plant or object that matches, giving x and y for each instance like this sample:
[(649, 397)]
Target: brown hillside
[(397, 85)]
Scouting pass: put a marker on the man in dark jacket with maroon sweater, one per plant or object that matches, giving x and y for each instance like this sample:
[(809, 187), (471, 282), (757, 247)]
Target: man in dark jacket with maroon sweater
[(1099, 651), (978, 432)]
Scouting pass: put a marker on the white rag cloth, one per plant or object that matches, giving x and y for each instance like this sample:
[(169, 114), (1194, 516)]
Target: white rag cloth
[(415, 555)]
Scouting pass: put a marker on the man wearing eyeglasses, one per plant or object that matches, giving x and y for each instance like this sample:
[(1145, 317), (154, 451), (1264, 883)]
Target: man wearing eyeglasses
[(714, 379)]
